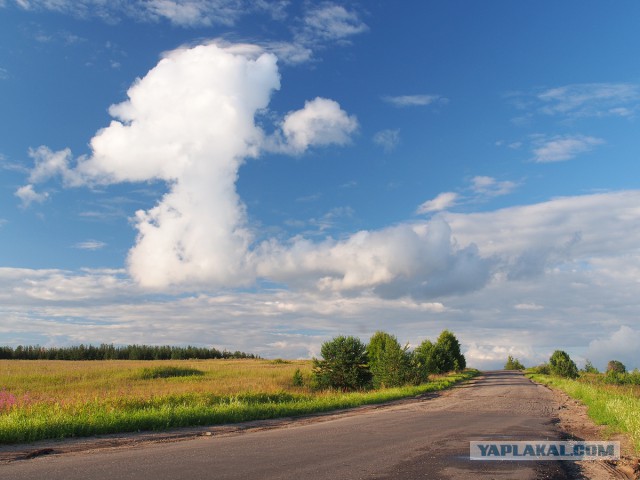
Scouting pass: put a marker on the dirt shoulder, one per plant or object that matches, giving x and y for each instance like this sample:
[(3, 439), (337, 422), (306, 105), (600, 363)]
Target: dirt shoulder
[(575, 423)]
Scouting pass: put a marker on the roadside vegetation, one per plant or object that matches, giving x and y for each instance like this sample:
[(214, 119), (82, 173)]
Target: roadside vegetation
[(513, 364), (612, 397), (54, 399), (348, 364)]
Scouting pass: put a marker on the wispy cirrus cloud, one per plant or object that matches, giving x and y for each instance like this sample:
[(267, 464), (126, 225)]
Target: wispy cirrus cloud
[(420, 100), (442, 202), (479, 189), (320, 25), (330, 22), (490, 187), (90, 245), (590, 100), (579, 100), (560, 148), (182, 13), (387, 139), (28, 196)]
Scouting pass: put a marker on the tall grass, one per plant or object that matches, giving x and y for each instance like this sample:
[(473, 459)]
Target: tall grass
[(615, 406), (70, 399)]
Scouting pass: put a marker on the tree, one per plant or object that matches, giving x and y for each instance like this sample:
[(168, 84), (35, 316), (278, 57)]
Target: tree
[(561, 364), (344, 365), (513, 364), (389, 362), (448, 353), (424, 359), (442, 356), (615, 366), (589, 368)]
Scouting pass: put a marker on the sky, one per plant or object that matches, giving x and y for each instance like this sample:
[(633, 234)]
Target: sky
[(265, 175)]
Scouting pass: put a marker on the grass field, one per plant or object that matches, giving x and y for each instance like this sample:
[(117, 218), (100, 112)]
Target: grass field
[(58, 399), (617, 406)]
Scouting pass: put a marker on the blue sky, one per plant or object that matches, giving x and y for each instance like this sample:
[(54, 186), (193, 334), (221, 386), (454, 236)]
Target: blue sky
[(266, 175)]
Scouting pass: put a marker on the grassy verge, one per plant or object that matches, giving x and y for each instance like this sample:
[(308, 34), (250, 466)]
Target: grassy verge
[(163, 402), (615, 406)]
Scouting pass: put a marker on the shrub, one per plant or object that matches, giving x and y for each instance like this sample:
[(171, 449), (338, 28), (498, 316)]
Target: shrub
[(513, 364), (168, 372), (298, 381), (344, 365), (279, 361), (542, 369), (561, 365)]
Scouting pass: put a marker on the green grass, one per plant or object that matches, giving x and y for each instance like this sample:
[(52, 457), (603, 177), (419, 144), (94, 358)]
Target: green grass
[(73, 400), (615, 406)]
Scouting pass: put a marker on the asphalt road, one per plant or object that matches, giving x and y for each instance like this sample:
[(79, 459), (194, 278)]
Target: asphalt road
[(425, 438)]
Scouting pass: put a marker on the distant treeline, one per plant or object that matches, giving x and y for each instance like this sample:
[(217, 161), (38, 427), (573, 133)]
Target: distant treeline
[(110, 352)]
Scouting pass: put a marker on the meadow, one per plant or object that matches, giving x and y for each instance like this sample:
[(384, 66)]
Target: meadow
[(61, 399), (617, 406)]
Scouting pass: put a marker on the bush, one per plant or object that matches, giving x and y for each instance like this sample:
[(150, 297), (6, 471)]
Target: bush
[(513, 364), (561, 365), (298, 381), (344, 365), (615, 366), (542, 369), (389, 363), (279, 361), (168, 372)]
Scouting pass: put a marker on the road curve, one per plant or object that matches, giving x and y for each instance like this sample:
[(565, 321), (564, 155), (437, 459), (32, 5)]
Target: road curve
[(425, 438)]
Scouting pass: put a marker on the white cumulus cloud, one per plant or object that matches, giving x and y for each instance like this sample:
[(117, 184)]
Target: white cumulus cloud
[(320, 122), (421, 262), (190, 122)]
